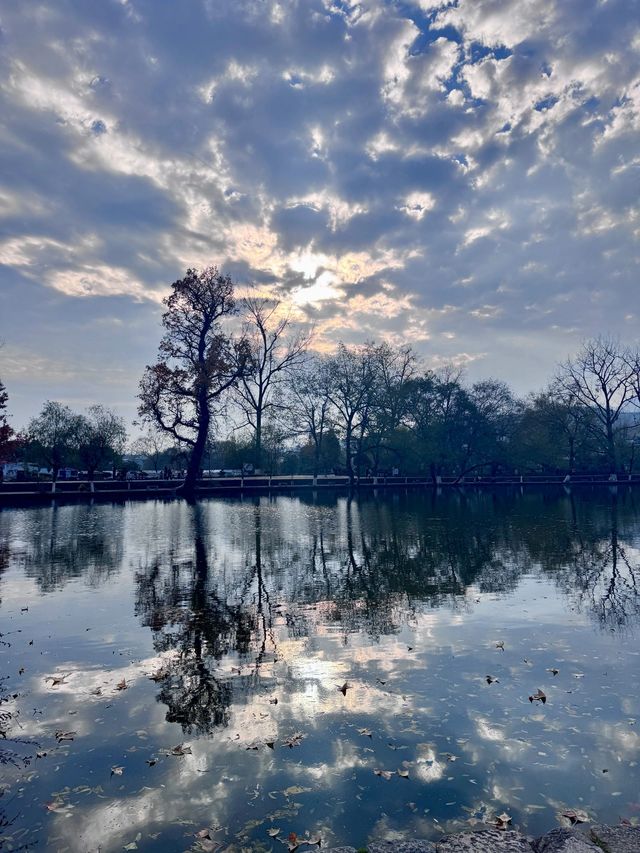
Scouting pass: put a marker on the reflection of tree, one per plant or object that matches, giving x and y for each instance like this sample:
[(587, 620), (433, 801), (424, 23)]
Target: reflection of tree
[(4, 561), (367, 565), (59, 543), (192, 613), (604, 574)]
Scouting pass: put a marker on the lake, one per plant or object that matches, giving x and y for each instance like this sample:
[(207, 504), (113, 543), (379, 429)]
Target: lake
[(339, 669)]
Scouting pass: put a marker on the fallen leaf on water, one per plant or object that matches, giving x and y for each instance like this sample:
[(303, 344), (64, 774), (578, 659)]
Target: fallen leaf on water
[(384, 774), (503, 820), (314, 839), (294, 790), (343, 688), (57, 679), (180, 749), (293, 740), (122, 685), (490, 679), (553, 670), (208, 845), (365, 732), (117, 771), (160, 674), (60, 736), (403, 773), (575, 816), (273, 832), (538, 696), (130, 846)]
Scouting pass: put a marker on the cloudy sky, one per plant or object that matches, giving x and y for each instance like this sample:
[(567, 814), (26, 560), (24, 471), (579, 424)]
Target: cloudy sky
[(460, 175)]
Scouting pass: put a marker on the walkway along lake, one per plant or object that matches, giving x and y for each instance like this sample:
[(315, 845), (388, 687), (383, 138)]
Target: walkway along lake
[(385, 667)]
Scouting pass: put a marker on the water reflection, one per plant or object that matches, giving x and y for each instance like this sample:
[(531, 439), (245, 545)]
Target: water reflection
[(251, 613)]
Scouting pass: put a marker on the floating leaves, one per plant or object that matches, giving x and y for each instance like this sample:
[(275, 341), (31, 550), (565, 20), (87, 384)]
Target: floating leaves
[(122, 685), (575, 816), (365, 732), (273, 832), (343, 688), (160, 674), (294, 740), (502, 821), (61, 735), (180, 749), (538, 696), (384, 774), (205, 842), (57, 679)]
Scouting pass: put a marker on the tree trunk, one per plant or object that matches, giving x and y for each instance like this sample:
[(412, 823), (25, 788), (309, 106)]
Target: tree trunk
[(188, 487), (572, 455), (611, 449), (258, 451), (347, 448)]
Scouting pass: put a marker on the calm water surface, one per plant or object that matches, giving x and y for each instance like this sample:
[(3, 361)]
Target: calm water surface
[(251, 614)]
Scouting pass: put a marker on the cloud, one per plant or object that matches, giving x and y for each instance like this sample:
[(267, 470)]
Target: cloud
[(481, 154)]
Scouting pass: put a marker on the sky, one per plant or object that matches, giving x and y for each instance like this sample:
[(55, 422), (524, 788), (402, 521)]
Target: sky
[(462, 176)]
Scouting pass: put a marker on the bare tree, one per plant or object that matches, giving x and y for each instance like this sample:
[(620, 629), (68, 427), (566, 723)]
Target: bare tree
[(600, 376), (309, 404), (150, 445), (5, 430), (274, 353), (395, 368), (54, 434), (197, 362), (101, 437), (352, 372)]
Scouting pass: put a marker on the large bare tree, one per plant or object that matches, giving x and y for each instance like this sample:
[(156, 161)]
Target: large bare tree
[(352, 391), (275, 352), (198, 361), (600, 376)]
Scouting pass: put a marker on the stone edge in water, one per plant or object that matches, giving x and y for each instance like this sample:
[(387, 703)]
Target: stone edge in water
[(601, 837)]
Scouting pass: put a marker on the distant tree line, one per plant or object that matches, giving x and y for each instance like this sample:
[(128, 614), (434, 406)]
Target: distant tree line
[(235, 383)]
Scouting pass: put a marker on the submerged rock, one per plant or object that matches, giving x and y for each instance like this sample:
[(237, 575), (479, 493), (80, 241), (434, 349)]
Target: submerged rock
[(616, 839), (485, 841), (564, 841), (341, 850), (401, 847)]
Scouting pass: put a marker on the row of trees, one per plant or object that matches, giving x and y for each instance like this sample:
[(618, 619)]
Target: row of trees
[(59, 437), (384, 409), (255, 384)]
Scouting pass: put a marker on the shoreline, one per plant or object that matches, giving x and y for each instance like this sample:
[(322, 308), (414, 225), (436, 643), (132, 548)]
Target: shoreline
[(593, 838), (25, 492)]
